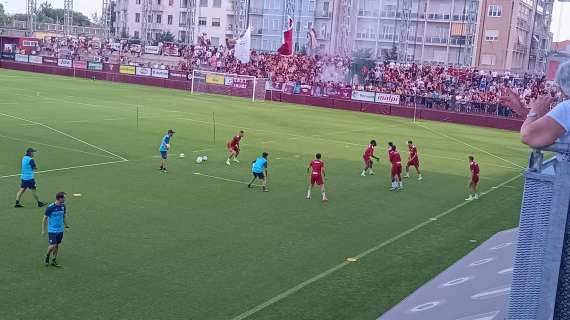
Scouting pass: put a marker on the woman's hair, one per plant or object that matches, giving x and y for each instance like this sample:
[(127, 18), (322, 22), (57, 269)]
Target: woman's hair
[(563, 78)]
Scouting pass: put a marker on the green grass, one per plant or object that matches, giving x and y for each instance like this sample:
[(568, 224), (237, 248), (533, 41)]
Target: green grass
[(146, 245)]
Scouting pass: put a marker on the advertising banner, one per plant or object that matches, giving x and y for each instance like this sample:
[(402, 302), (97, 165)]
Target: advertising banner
[(97, 66), (338, 93), (236, 82), (21, 57), (50, 61), (141, 71), (8, 56), (305, 90), (65, 63), (36, 59), (387, 98), (160, 73), (152, 49), (127, 69), (363, 96), (109, 67), (178, 75), (77, 64), (215, 79)]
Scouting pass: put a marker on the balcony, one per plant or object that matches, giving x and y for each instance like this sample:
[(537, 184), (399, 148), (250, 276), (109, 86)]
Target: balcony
[(436, 40), (319, 14), (366, 36), (256, 11), (438, 17), (368, 13)]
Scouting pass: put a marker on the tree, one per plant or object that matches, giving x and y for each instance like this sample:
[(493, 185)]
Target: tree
[(165, 37), (392, 55)]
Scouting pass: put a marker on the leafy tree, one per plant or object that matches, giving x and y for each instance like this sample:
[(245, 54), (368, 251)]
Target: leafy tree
[(3, 17), (165, 37)]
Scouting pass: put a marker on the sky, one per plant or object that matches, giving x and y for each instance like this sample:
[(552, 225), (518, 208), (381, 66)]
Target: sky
[(561, 30)]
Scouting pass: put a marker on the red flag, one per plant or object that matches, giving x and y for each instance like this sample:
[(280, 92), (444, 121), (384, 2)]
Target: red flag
[(286, 48)]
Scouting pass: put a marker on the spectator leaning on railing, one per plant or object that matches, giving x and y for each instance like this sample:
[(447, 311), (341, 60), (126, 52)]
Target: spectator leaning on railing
[(544, 126)]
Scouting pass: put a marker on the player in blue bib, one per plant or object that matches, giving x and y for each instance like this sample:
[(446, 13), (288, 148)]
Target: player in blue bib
[(27, 178), (55, 222), (259, 170), (164, 148)]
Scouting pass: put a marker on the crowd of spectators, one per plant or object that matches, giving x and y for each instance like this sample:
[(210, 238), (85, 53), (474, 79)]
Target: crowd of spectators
[(441, 87)]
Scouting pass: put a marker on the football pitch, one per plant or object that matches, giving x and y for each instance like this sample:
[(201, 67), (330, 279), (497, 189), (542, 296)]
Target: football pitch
[(196, 243)]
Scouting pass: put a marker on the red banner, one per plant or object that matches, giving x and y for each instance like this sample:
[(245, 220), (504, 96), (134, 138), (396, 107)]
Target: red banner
[(109, 67), (78, 64), (50, 61)]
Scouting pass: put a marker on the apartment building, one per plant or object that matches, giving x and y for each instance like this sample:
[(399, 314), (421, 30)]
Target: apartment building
[(422, 31), (430, 31), (185, 19), (514, 35), (268, 19)]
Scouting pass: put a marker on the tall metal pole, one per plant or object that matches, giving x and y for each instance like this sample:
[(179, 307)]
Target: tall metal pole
[(67, 16), (31, 15)]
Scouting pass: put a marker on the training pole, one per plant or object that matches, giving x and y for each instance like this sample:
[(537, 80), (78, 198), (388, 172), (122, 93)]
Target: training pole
[(214, 122)]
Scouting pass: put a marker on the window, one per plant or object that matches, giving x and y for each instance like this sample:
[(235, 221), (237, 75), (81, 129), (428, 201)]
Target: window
[(170, 19), (216, 22), (202, 21), (159, 18), (183, 18), (159, 2), (495, 10), (203, 3), (488, 59), (275, 24), (171, 2), (183, 3), (491, 35), (137, 35), (137, 17), (217, 4), (182, 36), (149, 18), (138, 2), (215, 41)]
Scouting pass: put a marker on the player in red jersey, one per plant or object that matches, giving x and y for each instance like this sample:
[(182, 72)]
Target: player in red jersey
[(396, 173), (474, 168), (413, 160), (233, 148), (368, 156), (316, 171)]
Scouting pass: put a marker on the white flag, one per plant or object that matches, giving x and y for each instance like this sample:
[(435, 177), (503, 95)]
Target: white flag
[(243, 47)]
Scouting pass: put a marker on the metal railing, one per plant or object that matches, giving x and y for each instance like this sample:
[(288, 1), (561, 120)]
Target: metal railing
[(541, 275)]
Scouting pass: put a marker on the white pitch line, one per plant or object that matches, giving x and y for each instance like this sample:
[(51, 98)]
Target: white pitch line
[(219, 178), (361, 255), (471, 146), (68, 168), (57, 147), (65, 134)]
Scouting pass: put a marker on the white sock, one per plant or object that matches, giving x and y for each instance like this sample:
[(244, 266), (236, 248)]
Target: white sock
[(401, 184), (324, 195), (393, 185), (309, 193)]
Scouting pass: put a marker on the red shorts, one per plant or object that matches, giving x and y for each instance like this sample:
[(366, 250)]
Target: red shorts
[(367, 161), (317, 179), (396, 170), (233, 149), (475, 179), (414, 163)]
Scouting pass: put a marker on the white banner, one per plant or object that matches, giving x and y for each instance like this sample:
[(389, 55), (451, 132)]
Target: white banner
[(36, 59), (243, 47), (116, 46), (141, 71), (151, 49), (160, 73), (387, 98), (65, 63), (21, 57), (229, 81), (363, 96)]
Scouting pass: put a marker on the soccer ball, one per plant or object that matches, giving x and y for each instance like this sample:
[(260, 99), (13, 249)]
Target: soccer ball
[(199, 160), (205, 158), (181, 155)]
